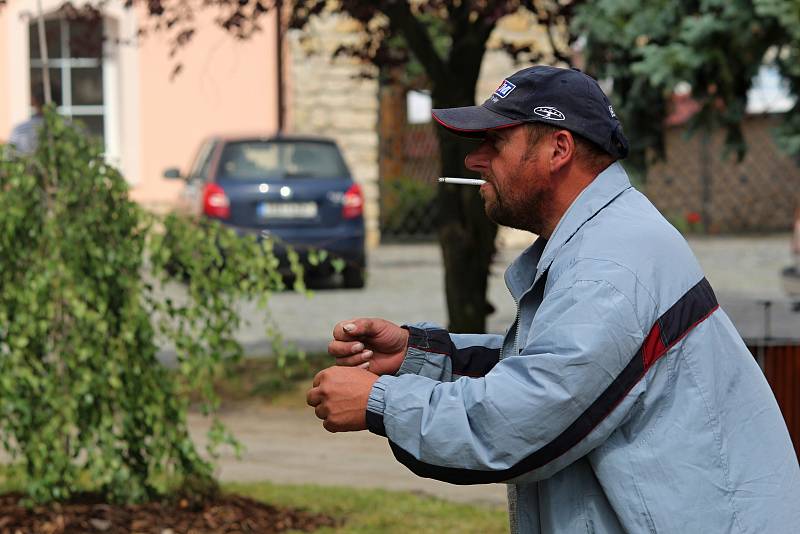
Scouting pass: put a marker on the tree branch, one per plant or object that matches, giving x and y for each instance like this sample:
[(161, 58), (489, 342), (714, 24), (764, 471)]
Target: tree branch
[(403, 22)]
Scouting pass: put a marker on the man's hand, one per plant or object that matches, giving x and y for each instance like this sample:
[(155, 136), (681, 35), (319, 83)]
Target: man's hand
[(339, 397), (374, 344)]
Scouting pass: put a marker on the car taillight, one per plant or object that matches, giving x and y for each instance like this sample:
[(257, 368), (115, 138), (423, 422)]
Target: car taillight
[(353, 202), (216, 202)]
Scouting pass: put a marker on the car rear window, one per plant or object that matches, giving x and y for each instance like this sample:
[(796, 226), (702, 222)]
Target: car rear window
[(257, 160)]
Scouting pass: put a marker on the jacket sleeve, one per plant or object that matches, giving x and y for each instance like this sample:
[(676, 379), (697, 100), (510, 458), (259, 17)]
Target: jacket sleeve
[(572, 384), (434, 353)]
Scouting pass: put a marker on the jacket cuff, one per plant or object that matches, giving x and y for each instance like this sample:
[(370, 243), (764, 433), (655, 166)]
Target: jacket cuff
[(426, 356), (376, 404)]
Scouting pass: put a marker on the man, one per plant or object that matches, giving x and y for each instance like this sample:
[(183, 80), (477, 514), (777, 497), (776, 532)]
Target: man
[(622, 399), (25, 136)]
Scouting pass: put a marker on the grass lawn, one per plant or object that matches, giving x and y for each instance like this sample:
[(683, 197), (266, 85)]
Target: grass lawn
[(373, 511)]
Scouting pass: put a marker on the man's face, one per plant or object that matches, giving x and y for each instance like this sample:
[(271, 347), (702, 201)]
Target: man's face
[(519, 188)]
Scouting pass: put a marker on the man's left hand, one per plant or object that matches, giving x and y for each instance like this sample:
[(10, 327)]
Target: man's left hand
[(339, 397)]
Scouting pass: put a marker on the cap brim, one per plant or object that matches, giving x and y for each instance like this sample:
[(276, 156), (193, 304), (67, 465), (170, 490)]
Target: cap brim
[(471, 121)]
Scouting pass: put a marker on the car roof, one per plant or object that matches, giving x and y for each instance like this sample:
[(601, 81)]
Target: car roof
[(238, 138)]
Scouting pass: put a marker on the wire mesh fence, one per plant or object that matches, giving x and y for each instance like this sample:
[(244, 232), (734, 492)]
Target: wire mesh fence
[(703, 188), (700, 187), (408, 201)]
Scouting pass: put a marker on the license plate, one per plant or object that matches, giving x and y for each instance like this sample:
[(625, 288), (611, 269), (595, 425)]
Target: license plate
[(287, 210)]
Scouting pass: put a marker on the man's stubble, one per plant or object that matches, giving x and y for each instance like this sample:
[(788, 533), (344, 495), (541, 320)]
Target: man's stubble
[(523, 208)]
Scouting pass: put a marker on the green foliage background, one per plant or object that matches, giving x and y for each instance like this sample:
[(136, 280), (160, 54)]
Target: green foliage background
[(85, 405), (648, 47)]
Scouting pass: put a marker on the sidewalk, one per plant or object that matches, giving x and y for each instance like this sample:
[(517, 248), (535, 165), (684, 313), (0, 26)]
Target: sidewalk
[(289, 446)]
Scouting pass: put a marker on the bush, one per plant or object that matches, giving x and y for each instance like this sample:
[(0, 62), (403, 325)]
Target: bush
[(85, 405)]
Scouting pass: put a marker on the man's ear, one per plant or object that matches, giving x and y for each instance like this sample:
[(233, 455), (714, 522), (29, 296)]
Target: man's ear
[(563, 150)]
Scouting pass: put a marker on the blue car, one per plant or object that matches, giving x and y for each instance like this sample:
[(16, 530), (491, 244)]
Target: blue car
[(293, 189)]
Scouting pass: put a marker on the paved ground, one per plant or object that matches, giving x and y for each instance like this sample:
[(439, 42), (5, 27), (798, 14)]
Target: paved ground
[(289, 446), (405, 284)]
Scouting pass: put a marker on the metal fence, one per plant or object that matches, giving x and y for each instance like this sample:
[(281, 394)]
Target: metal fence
[(408, 201), (703, 189), (780, 361), (698, 187)]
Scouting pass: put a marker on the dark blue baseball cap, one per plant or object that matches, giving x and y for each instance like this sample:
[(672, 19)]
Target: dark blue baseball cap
[(564, 98)]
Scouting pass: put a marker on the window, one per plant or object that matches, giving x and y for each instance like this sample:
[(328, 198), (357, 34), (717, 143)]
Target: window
[(75, 53), (259, 160)]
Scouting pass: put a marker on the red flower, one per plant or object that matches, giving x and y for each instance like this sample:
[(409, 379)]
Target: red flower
[(693, 217)]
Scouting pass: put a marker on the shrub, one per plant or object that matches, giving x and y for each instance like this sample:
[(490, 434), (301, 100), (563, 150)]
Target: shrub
[(85, 404)]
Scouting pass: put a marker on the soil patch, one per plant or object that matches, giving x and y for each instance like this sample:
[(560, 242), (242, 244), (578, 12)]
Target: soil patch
[(227, 514)]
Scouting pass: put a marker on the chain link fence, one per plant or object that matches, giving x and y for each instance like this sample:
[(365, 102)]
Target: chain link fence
[(408, 201), (701, 188)]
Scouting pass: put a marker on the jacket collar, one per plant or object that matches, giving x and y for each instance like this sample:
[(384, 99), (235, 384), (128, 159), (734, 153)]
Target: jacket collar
[(607, 186)]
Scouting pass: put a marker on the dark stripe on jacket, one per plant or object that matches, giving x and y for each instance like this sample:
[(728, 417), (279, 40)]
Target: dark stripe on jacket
[(475, 361), (689, 311), (469, 361)]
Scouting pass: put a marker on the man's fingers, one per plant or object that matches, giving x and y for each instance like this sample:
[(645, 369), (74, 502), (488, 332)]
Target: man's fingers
[(353, 329), (355, 359), (330, 427), (313, 397), (318, 378), (322, 412), (344, 348)]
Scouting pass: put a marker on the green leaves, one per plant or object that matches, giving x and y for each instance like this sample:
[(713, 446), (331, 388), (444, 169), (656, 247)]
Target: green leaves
[(716, 47), (85, 404)]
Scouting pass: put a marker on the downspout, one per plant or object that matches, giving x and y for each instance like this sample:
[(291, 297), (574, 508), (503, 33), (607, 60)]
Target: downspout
[(279, 49)]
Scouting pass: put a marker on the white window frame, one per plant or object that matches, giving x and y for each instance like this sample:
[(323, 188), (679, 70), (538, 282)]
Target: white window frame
[(65, 65), (121, 84)]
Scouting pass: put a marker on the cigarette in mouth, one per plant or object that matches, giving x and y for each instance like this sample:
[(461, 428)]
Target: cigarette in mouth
[(461, 181)]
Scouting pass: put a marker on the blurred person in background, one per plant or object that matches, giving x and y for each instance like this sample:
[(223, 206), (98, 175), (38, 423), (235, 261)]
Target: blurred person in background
[(622, 399), (25, 135)]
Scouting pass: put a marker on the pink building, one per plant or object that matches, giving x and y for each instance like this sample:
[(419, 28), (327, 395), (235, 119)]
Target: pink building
[(125, 92)]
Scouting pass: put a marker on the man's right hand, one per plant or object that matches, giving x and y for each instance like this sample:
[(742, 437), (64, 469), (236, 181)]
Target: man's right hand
[(374, 344)]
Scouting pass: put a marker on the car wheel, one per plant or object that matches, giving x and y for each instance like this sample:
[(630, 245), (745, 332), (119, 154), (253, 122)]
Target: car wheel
[(354, 276)]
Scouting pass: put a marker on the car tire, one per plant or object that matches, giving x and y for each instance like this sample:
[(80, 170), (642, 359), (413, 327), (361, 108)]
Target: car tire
[(354, 276)]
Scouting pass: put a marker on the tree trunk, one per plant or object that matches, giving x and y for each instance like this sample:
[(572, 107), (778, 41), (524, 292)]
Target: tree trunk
[(466, 236)]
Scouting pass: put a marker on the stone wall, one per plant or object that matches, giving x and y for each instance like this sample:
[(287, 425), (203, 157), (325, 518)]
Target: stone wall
[(328, 96)]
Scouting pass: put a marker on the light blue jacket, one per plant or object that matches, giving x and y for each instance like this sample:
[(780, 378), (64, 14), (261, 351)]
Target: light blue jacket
[(622, 399)]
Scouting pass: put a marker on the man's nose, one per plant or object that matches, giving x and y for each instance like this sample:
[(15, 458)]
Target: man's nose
[(478, 159)]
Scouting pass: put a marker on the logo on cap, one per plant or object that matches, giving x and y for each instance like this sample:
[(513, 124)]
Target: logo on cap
[(505, 89), (547, 112)]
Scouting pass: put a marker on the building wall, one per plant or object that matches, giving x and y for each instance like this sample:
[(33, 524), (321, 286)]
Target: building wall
[(120, 23), (225, 86), (5, 118), (152, 120), (327, 97)]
